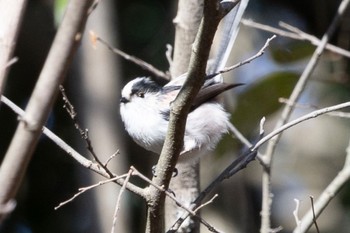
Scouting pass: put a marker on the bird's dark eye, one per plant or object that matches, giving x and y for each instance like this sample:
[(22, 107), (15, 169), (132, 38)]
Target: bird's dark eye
[(141, 94)]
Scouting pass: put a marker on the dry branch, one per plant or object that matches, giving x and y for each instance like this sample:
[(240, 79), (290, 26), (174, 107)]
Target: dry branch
[(212, 14), (326, 196), (294, 33), (144, 65), (246, 157), (285, 115), (73, 153), (29, 129), (11, 17)]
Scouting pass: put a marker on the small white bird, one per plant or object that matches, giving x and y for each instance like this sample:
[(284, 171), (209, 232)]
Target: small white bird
[(145, 110)]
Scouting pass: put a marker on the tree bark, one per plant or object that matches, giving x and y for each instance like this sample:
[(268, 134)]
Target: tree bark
[(29, 129), (186, 185)]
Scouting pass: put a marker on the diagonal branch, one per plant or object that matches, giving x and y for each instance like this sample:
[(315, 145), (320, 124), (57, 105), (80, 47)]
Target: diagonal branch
[(11, 14), (294, 33), (326, 196), (212, 14), (144, 65), (299, 88), (39, 106), (249, 155), (246, 61), (73, 153)]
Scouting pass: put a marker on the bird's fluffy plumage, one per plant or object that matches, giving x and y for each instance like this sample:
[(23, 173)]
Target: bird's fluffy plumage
[(145, 108)]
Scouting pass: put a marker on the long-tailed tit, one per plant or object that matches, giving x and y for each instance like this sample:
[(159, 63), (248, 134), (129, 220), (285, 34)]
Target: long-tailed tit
[(145, 110)]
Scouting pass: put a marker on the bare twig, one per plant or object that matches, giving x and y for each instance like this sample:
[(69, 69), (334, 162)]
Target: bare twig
[(264, 27), (258, 54), (83, 133), (261, 126), (84, 189), (9, 63), (8, 207), (296, 34), (71, 152), (117, 206), (169, 194), (327, 195), (296, 213), (313, 214), (12, 14), (308, 116), (277, 229), (29, 129), (246, 157), (239, 135), (172, 197), (311, 106), (213, 12), (168, 55), (110, 158), (144, 65), (237, 165), (299, 88), (314, 40), (206, 203)]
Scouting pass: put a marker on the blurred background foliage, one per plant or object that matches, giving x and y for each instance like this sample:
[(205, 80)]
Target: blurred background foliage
[(307, 158)]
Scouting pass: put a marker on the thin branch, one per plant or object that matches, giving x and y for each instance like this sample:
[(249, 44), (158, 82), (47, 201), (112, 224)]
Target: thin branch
[(7, 208), (314, 40), (27, 134), (162, 189), (117, 206), (296, 34), (296, 213), (286, 113), (11, 14), (258, 54), (313, 214), (297, 121), (110, 158), (168, 55), (213, 12), (238, 164), (327, 195), (246, 157), (267, 28), (172, 197), (206, 203), (239, 135), (9, 63), (84, 189), (144, 65), (73, 153), (83, 133), (311, 106)]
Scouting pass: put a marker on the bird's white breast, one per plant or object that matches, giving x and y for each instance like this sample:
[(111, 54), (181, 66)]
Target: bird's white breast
[(144, 123)]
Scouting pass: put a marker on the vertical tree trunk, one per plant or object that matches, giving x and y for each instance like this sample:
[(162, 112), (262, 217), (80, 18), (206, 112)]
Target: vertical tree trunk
[(100, 80), (186, 184)]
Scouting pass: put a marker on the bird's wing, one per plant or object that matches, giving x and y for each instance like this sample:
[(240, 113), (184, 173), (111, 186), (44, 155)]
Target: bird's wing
[(211, 91)]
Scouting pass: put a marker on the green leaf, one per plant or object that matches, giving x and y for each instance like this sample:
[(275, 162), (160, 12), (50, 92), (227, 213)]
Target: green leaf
[(59, 9), (262, 99), (283, 54)]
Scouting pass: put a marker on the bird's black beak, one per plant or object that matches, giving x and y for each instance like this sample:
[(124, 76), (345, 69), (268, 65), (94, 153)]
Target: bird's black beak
[(123, 100)]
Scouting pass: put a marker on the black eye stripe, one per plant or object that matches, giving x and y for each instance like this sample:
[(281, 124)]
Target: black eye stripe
[(145, 85)]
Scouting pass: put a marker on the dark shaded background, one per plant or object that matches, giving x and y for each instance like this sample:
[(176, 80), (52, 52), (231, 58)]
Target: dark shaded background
[(143, 29)]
